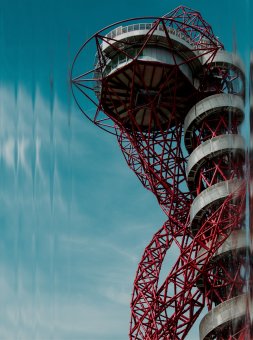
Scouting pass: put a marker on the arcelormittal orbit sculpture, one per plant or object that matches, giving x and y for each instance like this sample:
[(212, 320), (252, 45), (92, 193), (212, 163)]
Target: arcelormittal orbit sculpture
[(174, 99)]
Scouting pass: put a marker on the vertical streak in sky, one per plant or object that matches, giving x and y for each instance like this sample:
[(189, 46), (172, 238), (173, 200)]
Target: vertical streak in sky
[(52, 175)]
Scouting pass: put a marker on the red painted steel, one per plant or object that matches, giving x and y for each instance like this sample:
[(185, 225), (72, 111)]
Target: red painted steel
[(147, 114)]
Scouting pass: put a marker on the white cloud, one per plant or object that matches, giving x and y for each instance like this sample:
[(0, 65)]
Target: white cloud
[(7, 152), (40, 315), (75, 226)]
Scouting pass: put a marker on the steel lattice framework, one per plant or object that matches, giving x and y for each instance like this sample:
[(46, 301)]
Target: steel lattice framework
[(174, 99)]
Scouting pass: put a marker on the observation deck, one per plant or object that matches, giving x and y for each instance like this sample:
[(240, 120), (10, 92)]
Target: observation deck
[(124, 37), (151, 74)]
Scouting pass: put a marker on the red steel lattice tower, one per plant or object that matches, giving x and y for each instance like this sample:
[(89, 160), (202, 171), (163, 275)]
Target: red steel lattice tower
[(174, 99)]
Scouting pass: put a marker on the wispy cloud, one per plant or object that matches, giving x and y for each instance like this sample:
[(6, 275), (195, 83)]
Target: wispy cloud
[(68, 246)]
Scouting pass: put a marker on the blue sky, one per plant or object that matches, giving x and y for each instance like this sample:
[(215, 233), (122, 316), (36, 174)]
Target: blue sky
[(74, 219)]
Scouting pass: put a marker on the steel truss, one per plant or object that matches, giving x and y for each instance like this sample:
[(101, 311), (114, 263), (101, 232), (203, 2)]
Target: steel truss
[(167, 89)]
